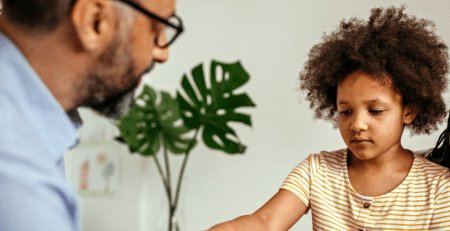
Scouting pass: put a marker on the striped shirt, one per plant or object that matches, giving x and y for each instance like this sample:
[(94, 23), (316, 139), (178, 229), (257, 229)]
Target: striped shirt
[(420, 202)]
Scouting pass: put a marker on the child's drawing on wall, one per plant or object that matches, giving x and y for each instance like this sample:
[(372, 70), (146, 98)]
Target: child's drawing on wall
[(107, 173), (97, 170), (84, 175)]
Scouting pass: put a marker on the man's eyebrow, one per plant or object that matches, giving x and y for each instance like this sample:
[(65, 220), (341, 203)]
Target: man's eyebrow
[(342, 102)]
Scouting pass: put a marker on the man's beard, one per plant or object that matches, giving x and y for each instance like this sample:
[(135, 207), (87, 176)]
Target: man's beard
[(103, 91)]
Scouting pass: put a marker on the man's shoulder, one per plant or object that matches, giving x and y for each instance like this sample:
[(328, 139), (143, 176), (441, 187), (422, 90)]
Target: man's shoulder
[(19, 134), (17, 131), (11, 115)]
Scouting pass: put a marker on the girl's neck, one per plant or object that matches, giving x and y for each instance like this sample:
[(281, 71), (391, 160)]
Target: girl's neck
[(395, 159), (379, 176)]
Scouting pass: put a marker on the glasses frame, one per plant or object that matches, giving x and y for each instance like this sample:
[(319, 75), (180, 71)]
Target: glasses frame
[(179, 28)]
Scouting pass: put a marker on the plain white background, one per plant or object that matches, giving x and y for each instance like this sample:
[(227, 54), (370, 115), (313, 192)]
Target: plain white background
[(272, 40)]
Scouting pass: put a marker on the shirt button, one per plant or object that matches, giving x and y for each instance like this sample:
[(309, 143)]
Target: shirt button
[(366, 205)]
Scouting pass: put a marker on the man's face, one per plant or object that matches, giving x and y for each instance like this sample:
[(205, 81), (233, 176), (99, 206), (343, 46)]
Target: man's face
[(145, 31), (109, 85)]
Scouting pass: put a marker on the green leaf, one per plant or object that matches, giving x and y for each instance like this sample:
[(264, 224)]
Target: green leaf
[(121, 140), (149, 119), (214, 107)]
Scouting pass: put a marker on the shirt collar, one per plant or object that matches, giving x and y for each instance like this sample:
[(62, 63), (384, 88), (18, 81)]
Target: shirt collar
[(35, 100)]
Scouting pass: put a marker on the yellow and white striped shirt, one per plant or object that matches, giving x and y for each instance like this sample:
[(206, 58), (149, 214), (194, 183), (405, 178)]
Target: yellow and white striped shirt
[(420, 202)]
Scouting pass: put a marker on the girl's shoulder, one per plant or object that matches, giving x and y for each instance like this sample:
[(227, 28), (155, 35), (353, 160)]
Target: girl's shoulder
[(336, 155), (436, 176), (341, 153), (425, 166), (336, 159)]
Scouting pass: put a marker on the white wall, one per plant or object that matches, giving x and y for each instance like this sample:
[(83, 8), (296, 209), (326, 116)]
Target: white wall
[(272, 40)]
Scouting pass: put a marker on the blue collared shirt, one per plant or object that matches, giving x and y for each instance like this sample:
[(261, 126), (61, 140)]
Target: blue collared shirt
[(35, 132)]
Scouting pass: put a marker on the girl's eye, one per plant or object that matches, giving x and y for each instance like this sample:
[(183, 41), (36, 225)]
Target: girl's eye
[(344, 112), (376, 112)]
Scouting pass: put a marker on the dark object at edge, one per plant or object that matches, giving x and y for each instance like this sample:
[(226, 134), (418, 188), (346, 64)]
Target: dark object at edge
[(441, 152)]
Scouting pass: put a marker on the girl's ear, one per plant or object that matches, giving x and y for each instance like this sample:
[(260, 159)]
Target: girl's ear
[(409, 113)]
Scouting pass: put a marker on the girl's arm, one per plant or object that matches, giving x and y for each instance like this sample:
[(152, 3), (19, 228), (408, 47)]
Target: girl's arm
[(280, 213)]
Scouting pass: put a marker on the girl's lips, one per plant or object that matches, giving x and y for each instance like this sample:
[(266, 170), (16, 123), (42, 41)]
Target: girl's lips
[(361, 141)]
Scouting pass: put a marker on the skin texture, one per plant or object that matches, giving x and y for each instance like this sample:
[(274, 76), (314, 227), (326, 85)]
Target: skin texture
[(371, 118), (97, 55), (371, 121), (281, 212)]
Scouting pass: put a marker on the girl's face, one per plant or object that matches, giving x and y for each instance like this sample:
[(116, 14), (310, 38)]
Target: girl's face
[(371, 116)]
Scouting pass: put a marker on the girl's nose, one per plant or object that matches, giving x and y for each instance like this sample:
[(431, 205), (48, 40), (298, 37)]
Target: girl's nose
[(359, 122)]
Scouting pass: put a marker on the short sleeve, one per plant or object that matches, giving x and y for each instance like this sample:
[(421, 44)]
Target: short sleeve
[(299, 181), (441, 214)]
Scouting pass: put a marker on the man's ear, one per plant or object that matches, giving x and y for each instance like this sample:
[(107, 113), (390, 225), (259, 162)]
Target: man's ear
[(94, 22), (410, 112)]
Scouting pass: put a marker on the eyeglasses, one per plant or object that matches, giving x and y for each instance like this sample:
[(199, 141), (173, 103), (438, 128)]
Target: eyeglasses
[(173, 26)]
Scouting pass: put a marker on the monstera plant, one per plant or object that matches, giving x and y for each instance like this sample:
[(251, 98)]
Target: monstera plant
[(157, 120)]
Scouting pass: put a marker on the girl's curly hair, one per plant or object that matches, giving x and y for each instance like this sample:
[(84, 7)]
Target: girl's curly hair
[(390, 42)]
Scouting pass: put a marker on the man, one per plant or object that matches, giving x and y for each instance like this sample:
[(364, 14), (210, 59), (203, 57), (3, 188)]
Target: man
[(55, 56)]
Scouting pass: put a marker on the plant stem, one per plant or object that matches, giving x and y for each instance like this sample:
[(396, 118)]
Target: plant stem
[(166, 160), (183, 167), (169, 188), (161, 173)]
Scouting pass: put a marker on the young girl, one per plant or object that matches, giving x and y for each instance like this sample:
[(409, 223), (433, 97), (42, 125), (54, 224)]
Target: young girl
[(372, 79)]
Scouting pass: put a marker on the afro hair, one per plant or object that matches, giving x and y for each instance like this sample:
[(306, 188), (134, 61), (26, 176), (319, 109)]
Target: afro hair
[(390, 42)]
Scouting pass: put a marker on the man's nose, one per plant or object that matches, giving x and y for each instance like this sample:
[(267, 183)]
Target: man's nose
[(160, 55)]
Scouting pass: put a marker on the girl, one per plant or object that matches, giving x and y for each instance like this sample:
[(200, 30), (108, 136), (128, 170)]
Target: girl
[(371, 79)]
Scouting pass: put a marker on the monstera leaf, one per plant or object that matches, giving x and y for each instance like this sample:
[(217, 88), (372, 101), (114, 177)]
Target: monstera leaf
[(214, 107), (150, 119)]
